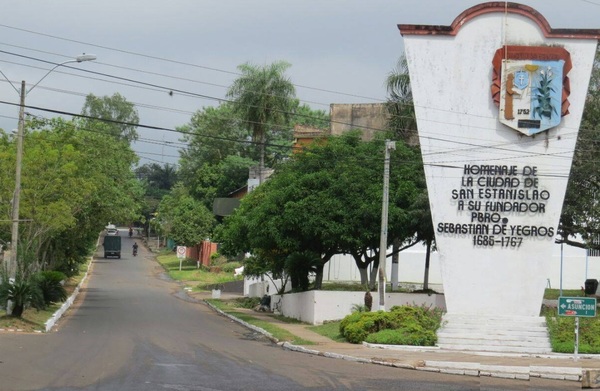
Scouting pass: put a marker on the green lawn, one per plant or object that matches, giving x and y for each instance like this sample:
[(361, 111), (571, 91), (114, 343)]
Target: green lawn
[(34, 320), (190, 274), (277, 332), (553, 294), (330, 330)]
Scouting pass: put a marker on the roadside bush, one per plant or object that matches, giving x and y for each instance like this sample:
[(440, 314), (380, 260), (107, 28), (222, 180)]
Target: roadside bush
[(412, 334), (23, 293), (428, 317), (230, 267), (562, 333), (405, 325), (357, 326), (50, 284), (217, 259)]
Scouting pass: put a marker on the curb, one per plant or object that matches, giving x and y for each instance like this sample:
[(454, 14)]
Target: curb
[(447, 367), (245, 324), (505, 371), (67, 304)]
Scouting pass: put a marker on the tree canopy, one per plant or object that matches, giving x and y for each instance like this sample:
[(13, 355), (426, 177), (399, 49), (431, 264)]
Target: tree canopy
[(73, 183), (118, 116), (324, 201), (580, 222), (184, 219)]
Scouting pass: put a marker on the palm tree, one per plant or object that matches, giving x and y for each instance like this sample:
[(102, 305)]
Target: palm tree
[(262, 96), (400, 103)]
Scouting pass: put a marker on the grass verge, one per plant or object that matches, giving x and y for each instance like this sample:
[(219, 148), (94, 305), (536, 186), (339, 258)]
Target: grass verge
[(281, 334), (330, 330), (199, 279), (34, 320), (553, 294)]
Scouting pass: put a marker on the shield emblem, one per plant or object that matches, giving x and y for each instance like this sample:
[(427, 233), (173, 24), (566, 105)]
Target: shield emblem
[(531, 94), (530, 86)]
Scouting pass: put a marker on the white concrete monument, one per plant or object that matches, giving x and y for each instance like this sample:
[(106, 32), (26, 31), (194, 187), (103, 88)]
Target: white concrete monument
[(498, 96)]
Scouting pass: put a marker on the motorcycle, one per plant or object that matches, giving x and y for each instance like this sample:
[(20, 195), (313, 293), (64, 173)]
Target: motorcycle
[(135, 249), (130, 232)]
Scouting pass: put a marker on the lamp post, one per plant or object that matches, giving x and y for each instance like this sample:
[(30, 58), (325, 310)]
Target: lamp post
[(12, 266), (389, 146)]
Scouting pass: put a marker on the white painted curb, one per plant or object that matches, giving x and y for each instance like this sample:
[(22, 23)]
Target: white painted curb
[(68, 303), (447, 367), (504, 371)]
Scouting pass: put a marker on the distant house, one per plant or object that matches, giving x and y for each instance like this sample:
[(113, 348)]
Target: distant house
[(305, 135), (370, 118)]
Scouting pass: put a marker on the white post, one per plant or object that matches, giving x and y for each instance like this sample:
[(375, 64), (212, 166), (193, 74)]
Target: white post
[(389, 145), (575, 358)]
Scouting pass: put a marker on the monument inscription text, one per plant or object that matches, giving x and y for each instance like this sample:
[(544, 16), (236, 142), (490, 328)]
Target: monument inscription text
[(489, 196)]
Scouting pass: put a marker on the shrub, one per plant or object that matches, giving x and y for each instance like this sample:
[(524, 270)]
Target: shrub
[(359, 308), (50, 284), (230, 267), (562, 333), (217, 259), (407, 325), (428, 317), (357, 326), (412, 334), (22, 293)]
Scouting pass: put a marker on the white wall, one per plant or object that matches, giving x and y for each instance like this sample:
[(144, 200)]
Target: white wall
[(576, 268), (316, 307), (411, 266)]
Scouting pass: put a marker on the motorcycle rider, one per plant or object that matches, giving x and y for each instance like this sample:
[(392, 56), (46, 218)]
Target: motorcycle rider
[(135, 248)]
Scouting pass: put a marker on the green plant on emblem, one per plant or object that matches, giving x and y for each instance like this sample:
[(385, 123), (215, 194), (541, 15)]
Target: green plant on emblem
[(543, 95)]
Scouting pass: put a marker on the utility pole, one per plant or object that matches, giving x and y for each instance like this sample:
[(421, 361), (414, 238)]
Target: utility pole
[(389, 145), (12, 267), (14, 237)]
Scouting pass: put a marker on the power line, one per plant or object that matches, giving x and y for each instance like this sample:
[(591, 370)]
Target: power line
[(171, 61)]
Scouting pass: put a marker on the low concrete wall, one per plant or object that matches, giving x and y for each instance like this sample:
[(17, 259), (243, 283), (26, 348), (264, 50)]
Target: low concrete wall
[(316, 307)]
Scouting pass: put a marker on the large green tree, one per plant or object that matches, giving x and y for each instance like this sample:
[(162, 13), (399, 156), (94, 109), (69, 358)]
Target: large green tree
[(580, 222), (118, 116), (184, 219), (263, 97), (325, 201), (73, 183), (218, 156)]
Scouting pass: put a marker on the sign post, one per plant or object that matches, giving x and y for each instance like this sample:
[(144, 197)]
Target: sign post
[(181, 255), (577, 306)]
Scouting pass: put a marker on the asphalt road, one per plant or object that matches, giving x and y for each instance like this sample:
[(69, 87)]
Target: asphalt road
[(133, 329)]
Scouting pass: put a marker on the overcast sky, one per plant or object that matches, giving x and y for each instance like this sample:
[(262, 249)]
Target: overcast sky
[(340, 51)]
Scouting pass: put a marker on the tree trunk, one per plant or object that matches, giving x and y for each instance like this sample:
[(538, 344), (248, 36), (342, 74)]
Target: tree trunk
[(319, 277), (364, 276), (373, 277), (362, 269), (17, 310), (427, 258)]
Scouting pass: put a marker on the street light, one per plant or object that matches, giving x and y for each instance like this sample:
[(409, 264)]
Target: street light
[(12, 266)]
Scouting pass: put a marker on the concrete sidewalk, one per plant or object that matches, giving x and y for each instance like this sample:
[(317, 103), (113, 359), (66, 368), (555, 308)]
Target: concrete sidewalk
[(507, 365)]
